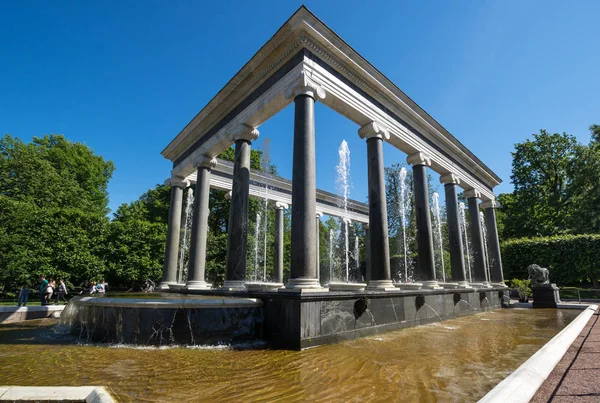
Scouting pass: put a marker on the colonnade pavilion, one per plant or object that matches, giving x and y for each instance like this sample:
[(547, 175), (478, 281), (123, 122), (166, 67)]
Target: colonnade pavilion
[(305, 62)]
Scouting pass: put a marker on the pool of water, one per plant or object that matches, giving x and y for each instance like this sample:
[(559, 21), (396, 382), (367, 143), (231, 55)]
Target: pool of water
[(456, 360)]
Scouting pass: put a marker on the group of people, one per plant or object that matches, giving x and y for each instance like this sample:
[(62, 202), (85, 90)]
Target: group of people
[(94, 287), (48, 289)]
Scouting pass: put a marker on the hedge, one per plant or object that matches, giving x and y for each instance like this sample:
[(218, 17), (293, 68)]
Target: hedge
[(571, 259)]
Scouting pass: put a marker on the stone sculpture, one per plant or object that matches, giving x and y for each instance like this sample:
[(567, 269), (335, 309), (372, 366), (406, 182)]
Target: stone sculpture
[(538, 275)]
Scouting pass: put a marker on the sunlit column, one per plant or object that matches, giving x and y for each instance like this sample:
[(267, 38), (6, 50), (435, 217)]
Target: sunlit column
[(426, 266), (303, 268), (479, 275), (173, 229), (197, 264), (457, 256), (494, 252), (279, 233), (237, 236), (380, 279)]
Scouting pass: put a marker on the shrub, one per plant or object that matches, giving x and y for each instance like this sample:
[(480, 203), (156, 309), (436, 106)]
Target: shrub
[(523, 287), (571, 259)]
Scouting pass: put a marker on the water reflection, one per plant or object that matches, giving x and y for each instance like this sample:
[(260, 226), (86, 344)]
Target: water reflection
[(457, 360)]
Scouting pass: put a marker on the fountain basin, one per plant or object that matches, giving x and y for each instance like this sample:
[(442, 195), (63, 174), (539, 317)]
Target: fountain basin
[(263, 286), (341, 286), (164, 321), (409, 286)]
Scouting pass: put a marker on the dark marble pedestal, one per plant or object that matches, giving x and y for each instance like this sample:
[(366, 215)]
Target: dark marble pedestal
[(545, 296)]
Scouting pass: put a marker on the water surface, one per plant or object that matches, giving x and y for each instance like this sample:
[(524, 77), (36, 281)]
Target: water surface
[(456, 360)]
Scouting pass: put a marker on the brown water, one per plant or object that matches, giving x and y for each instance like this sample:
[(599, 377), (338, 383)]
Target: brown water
[(457, 360)]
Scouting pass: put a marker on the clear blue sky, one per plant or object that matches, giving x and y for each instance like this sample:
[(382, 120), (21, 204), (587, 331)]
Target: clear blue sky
[(126, 76)]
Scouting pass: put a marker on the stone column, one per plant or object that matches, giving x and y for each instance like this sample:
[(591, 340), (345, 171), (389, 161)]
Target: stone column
[(380, 261), (197, 264), (426, 266), (479, 274), (279, 226), (304, 187), (173, 230), (237, 235), (457, 255), (367, 252), (494, 251), (319, 215)]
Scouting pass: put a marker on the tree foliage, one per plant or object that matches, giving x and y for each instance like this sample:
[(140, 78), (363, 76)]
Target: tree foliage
[(556, 187)]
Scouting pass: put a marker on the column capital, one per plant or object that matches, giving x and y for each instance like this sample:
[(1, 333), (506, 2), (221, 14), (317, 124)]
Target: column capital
[(469, 193), (365, 226), (281, 206), (346, 220), (204, 161), (490, 204), (228, 195), (419, 158), (177, 181), (449, 178), (244, 132), (373, 129), (319, 214), (304, 85)]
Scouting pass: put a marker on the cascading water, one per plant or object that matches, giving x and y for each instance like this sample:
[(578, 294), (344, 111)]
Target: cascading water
[(331, 263), (343, 184), (463, 228), (404, 204), (256, 241), (266, 232), (485, 245), (357, 256), (438, 226), (185, 239)]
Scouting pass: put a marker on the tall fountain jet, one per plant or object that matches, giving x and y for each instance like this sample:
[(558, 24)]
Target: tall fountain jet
[(485, 245), (185, 239), (331, 263), (343, 182), (404, 211), (464, 231), (256, 242), (438, 227)]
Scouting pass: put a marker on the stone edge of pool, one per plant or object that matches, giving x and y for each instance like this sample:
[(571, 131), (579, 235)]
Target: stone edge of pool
[(523, 383), (12, 314), (88, 394)]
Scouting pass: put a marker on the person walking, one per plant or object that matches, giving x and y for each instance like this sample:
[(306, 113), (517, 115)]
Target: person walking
[(43, 287), (50, 290), (23, 295), (62, 291)]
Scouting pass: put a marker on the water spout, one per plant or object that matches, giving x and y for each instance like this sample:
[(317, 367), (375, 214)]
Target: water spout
[(463, 229), (438, 225), (185, 239)]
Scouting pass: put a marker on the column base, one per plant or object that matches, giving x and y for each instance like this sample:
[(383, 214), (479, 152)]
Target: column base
[(380, 285), (198, 285), (164, 285), (302, 285), (484, 284), (431, 285), (464, 284), (498, 285), (409, 286), (233, 285), (342, 286), (449, 286)]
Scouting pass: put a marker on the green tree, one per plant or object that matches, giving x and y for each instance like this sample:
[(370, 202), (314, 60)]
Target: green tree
[(53, 205), (542, 195), (52, 171)]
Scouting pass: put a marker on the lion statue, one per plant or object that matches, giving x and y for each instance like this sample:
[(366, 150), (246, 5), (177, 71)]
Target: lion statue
[(538, 275)]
